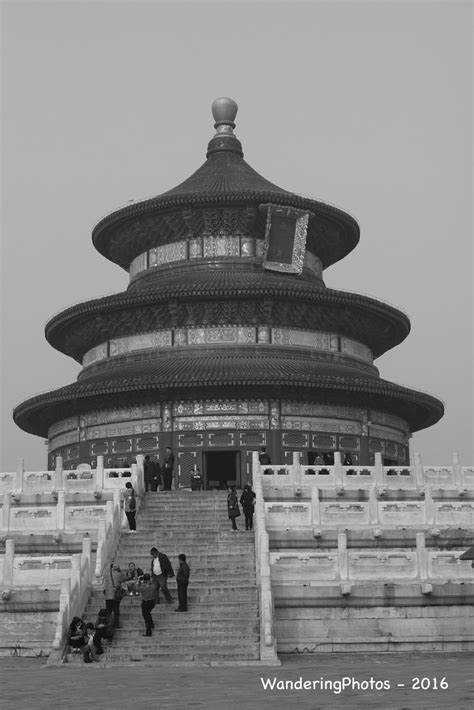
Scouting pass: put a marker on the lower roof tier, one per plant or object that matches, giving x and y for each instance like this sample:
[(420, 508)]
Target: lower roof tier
[(214, 298), (215, 376)]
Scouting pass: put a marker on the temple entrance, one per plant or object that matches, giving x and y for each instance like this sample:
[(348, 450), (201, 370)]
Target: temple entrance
[(221, 469)]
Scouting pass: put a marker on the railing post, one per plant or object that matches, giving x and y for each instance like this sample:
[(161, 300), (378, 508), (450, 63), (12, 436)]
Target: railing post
[(20, 470), (8, 563), (64, 612), (99, 473), (379, 477), (117, 502), (342, 556), (296, 470), (100, 554), (141, 472), (338, 474), (58, 474), (61, 511), (417, 465), (429, 506), (373, 505), (7, 501), (457, 471), (315, 510), (110, 508), (422, 556)]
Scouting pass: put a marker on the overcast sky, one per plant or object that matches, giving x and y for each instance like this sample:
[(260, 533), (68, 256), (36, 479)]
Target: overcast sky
[(365, 105)]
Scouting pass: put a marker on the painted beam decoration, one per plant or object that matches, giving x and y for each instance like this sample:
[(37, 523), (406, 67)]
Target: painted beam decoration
[(285, 239)]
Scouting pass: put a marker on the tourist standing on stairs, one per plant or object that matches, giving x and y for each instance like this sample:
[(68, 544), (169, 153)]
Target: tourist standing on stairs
[(233, 507), (167, 471), (113, 592), (247, 502), (161, 569), (130, 506), (182, 580), (148, 592), (148, 473)]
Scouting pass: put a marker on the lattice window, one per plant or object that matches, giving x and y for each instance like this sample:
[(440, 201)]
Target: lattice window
[(99, 448), (348, 442), (252, 438), (147, 443), (376, 445), (292, 438), (190, 439), (390, 449), (73, 452), (321, 441), (122, 446), (221, 438), (186, 462)]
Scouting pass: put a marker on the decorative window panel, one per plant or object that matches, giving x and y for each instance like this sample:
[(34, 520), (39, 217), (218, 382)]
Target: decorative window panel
[(326, 442), (295, 439), (190, 439), (147, 443), (187, 460), (195, 248), (99, 448), (122, 447), (221, 439), (252, 439), (346, 442), (73, 452), (376, 445)]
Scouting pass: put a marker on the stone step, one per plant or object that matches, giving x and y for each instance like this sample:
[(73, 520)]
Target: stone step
[(153, 644), (204, 612), (188, 626)]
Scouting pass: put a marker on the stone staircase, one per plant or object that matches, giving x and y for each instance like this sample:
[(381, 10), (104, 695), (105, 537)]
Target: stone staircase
[(222, 622)]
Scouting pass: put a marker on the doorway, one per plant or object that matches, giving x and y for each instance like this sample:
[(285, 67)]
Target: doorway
[(221, 469)]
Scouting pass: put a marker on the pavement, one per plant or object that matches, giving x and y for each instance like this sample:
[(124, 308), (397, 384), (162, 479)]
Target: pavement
[(27, 683)]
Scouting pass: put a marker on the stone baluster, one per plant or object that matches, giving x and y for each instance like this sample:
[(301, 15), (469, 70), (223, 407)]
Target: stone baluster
[(457, 471), (19, 476), (296, 471), (117, 501), (338, 473), (64, 612), (7, 501), (373, 505), (61, 511), (76, 571), (418, 467), (8, 563), (58, 483), (422, 558), (379, 475), (99, 474), (429, 506), (315, 511), (342, 556), (141, 472), (109, 513)]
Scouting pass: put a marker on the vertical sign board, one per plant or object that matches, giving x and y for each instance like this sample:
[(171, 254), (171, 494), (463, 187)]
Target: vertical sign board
[(285, 239)]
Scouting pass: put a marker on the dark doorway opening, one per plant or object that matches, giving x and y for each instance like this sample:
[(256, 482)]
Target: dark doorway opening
[(327, 457), (221, 469)]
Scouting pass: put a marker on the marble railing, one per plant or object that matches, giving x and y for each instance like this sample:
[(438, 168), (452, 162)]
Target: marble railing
[(33, 571), (81, 480), (57, 516), (262, 561), (74, 595), (373, 511), (346, 567), (415, 477)]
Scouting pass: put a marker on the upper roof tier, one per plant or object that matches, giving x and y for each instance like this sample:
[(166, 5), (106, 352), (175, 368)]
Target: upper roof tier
[(224, 182)]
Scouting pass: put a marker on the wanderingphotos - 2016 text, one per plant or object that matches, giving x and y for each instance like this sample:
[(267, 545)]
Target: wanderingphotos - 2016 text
[(335, 686)]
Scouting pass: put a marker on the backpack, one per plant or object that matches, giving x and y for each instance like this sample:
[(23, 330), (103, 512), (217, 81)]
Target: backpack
[(132, 504)]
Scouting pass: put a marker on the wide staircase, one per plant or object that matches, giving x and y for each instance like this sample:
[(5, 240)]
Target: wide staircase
[(222, 622)]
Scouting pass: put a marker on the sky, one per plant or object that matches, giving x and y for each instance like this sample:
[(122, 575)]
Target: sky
[(364, 105)]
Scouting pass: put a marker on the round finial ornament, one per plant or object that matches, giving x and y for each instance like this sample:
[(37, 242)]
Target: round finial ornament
[(224, 111)]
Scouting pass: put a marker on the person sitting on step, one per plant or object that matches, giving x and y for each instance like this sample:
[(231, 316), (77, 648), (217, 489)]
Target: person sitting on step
[(77, 635), (104, 626), (132, 579), (93, 647)]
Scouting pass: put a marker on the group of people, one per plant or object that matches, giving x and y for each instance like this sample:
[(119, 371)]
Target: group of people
[(159, 477), (87, 638), (247, 501)]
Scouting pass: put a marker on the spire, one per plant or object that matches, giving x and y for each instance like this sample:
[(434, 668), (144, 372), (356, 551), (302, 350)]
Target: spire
[(224, 111)]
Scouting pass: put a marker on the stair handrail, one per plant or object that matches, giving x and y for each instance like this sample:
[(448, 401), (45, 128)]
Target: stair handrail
[(268, 649), (73, 598)]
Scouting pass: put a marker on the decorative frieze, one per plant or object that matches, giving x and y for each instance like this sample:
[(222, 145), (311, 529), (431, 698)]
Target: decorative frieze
[(209, 423), (105, 431), (337, 426), (105, 416), (388, 433), (63, 425), (228, 335)]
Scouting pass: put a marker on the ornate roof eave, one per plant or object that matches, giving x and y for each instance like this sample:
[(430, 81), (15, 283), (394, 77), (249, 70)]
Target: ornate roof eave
[(330, 249), (397, 323), (35, 415)]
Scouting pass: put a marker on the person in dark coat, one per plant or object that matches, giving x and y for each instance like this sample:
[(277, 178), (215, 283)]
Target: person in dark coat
[(148, 592), (264, 458), (148, 473), (247, 502), (77, 635), (182, 580), (347, 460), (233, 509), (160, 571), (167, 471), (196, 480), (104, 626)]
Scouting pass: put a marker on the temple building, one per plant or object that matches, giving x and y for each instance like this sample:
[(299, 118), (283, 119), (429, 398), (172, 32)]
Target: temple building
[(227, 339)]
